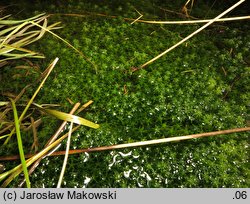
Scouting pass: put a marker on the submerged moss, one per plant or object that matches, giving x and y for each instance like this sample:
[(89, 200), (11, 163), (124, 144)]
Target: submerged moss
[(200, 86)]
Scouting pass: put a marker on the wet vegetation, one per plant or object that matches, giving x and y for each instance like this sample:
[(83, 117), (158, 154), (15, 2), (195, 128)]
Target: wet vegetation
[(201, 86)]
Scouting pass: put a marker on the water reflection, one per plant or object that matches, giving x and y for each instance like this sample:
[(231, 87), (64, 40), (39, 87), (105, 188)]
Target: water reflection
[(135, 173), (86, 182)]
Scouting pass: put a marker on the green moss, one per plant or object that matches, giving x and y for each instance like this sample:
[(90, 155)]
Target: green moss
[(184, 92)]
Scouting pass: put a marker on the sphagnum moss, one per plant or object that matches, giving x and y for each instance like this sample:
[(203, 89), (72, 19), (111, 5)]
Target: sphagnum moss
[(182, 93)]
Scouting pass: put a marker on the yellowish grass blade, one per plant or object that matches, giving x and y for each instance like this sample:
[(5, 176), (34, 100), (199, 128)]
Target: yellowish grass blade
[(5, 17), (22, 49), (12, 22), (69, 117), (13, 32), (194, 21), (192, 34), (65, 157), (14, 35), (3, 103)]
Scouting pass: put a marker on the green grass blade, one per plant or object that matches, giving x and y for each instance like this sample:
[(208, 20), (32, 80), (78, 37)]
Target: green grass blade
[(20, 145)]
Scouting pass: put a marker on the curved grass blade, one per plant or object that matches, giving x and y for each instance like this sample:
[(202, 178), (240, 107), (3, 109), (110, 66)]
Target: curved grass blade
[(20, 145), (69, 117)]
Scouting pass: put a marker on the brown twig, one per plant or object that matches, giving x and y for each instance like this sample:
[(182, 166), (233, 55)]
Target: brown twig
[(137, 144)]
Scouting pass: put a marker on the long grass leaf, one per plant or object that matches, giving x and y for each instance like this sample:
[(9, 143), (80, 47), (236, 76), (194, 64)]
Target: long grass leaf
[(193, 21), (19, 57), (69, 117), (65, 157), (11, 22), (5, 17), (21, 49), (51, 67), (22, 56), (7, 30), (20, 145)]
